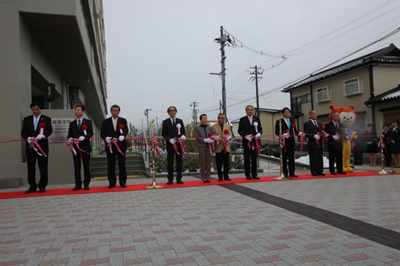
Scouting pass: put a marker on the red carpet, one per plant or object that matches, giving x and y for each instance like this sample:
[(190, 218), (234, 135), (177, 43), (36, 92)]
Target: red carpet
[(68, 191)]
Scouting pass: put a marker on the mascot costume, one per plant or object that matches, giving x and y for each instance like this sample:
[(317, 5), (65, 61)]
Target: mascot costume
[(347, 119)]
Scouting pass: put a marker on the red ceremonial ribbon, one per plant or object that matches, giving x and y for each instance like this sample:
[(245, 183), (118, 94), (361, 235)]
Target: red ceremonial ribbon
[(71, 147), (176, 148), (302, 135), (182, 147), (154, 140), (76, 142), (84, 127), (42, 126), (257, 145), (283, 142), (317, 141), (121, 127), (293, 128), (34, 143), (115, 141), (323, 136)]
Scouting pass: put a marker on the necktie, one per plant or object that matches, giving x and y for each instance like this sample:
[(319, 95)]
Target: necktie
[(174, 121), (36, 120), (337, 125), (115, 124), (251, 120), (315, 123), (288, 122), (79, 124)]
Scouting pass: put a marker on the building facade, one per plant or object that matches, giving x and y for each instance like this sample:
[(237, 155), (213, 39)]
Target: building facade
[(49, 44), (357, 82)]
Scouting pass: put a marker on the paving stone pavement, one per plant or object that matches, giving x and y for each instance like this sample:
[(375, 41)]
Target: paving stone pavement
[(210, 225)]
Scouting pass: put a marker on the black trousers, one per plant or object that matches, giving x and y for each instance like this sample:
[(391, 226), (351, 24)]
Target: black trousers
[(111, 160), (289, 154), (358, 156), (388, 154), (316, 163), (250, 153), (222, 160), (335, 155), (86, 169), (31, 158), (171, 154)]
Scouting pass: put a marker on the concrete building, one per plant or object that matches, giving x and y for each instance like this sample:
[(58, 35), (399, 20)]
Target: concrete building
[(369, 83), (45, 44)]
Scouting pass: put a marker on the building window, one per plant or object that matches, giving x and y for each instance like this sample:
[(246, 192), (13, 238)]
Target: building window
[(352, 86), (296, 105), (324, 95), (306, 98)]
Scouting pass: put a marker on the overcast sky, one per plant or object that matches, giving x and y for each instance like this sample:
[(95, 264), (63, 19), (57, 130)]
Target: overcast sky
[(160, 52)]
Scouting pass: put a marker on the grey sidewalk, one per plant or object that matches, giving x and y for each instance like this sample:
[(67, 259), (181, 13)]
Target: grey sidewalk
[(211, 225)]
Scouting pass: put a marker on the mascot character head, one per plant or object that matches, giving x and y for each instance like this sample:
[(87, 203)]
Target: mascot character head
[(347, 115)]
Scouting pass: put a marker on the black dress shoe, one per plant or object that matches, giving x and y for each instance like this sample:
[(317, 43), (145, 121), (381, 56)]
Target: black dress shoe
[(111, 186), (219, 179), (249, 178), (204, 181), (228, 179), (180, 182), (256, 177), (169, 183), (30, 190), (41, 190), (314, 174), (124, 185), (76, 188), (294, 175), (321, 174), (86, 188), (332, 173), (341, 173)]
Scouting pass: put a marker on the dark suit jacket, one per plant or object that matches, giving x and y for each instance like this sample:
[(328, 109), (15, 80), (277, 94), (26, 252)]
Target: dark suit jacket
[(107, 130), (28, 130), (169, 131), (332, 130), (285, 129), (74, 132), (246, 129), (310, 130)]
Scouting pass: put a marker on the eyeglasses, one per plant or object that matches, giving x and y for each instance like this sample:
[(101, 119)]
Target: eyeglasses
[(174, 110)]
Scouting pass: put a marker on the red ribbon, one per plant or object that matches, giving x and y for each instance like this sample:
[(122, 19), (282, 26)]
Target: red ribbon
[(34, 143), (302, 135), (182, 147), (154, 140), (257, 145), (225, 142), (115, 142), (84, 127), (317, 141), (71, 147), (121, 127), (76, 142)]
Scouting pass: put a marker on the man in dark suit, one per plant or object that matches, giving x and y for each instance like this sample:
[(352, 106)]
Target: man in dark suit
[(312, 129), (172, 131), (288, 130), (36, 128), (250, 129), (79, 133), (113, 131), (335, 144)]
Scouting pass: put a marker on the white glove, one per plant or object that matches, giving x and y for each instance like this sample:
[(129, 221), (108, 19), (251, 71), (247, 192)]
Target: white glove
[(326, 135), (229, 137), (301, 133), (347, 137), (81, 138), (40, 136), (286, 135), (249, 137), (208, 140), (258, 135), (70, 140), (172, 141), (316, 137), (335, 137), (217, 137), (108, 139), (29, 140), (183, 137), (392, 141), (121, 138)]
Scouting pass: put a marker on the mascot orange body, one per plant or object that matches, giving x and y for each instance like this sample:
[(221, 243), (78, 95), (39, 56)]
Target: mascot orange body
[(347, 119)]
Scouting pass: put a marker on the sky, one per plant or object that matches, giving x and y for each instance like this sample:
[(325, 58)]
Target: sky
[(161, 52)]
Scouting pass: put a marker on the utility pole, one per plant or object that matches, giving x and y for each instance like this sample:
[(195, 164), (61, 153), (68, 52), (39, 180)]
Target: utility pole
[(146, 113), (256, 72), (222, 40), (194, 116)]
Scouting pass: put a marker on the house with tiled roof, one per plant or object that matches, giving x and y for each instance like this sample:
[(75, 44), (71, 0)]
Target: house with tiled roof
[(370, 83)]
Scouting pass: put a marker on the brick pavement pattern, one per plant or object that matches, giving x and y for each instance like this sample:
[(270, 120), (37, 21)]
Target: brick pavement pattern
[(209, 225)]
